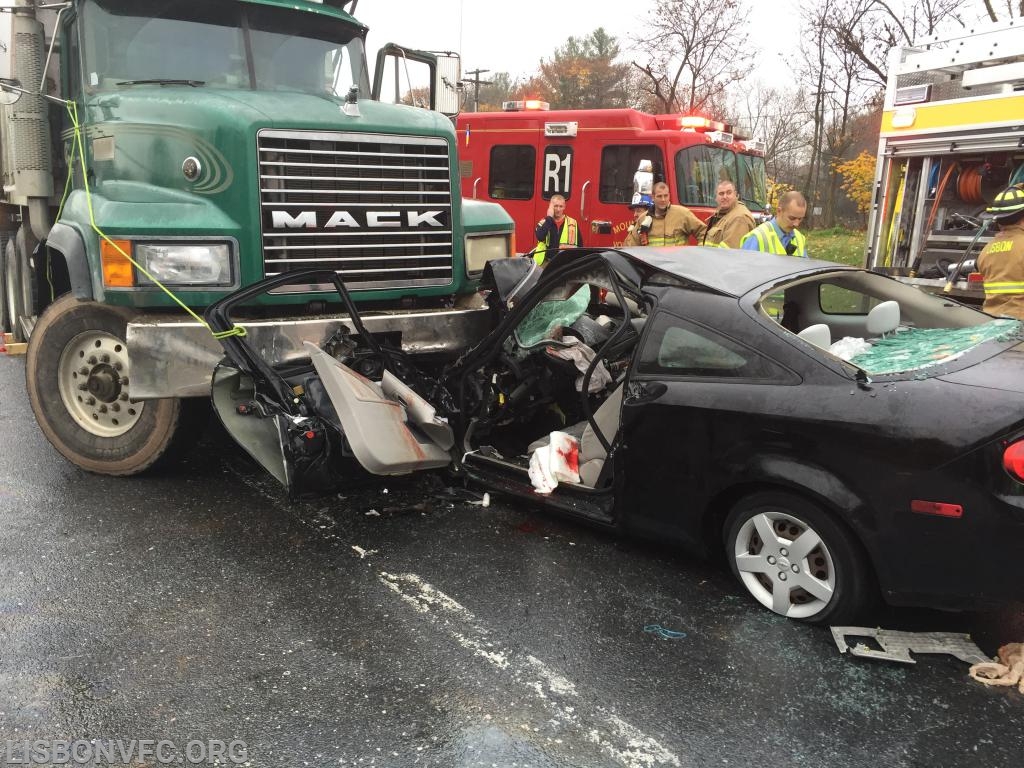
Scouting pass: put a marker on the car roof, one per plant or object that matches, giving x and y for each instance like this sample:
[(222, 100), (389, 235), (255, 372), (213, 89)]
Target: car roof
[(728, 271)]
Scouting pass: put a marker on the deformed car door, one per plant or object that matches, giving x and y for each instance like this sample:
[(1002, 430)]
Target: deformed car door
[(306, 422)]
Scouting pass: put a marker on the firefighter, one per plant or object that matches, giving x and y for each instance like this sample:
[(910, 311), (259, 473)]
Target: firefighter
[(731, 221), (555, 231), (1001, 262), (672, 224), (780, 235), (639, 230)]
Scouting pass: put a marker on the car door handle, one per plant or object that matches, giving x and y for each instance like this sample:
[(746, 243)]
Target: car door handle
[(639, 392)]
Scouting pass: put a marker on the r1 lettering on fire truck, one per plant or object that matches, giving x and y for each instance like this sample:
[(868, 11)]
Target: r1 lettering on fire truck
[(557, 173)]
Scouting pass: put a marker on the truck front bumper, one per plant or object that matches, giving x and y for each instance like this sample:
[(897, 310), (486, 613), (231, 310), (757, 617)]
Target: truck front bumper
[(174, 356)]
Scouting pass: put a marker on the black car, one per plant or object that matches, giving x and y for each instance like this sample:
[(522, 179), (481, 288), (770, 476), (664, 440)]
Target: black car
[(708, 409)]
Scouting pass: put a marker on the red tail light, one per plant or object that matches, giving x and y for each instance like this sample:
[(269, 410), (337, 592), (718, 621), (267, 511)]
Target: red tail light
[(1013, 460)]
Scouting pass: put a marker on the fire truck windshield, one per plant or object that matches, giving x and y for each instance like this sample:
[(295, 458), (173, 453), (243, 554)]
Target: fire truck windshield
[(699, 169), (219, 45)]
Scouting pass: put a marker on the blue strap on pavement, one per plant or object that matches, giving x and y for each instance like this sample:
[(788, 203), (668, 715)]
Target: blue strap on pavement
[(667, 634)]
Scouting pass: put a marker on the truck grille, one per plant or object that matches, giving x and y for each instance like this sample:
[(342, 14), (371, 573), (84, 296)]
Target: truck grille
[(376, 209)]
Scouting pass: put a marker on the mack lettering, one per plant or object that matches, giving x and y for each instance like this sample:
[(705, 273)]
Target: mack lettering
[(369, 219)]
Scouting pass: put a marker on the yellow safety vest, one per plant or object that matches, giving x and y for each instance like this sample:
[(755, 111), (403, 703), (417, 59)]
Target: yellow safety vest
[(567, 240), (768, 240)]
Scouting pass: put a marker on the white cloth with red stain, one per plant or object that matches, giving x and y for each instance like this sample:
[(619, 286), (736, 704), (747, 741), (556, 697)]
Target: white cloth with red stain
[(558, 461)]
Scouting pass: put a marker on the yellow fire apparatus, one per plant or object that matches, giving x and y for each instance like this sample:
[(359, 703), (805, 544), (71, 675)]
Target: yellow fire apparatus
[(952, 136)]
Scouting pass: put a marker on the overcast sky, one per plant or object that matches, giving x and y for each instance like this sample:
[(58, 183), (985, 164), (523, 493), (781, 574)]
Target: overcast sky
[(514, 36)]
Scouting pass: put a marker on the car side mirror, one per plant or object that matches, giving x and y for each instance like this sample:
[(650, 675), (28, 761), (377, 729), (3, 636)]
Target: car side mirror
[(10, 91)]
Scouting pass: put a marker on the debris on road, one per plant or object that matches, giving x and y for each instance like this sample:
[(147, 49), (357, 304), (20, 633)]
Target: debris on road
[(897, 646), (1008, 670), (363, 552), (665, 634)]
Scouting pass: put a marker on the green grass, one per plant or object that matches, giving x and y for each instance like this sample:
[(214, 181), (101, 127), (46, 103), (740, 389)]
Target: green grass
[(838, 244)]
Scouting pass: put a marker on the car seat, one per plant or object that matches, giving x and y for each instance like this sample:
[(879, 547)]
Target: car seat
[(883, 318), (819, 335), (592, 454)]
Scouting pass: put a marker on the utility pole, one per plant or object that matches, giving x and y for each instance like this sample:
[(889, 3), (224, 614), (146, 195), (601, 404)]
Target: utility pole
[(477, 82)]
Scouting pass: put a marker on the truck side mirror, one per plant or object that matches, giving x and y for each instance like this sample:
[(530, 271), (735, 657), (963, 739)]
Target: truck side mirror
[(10, 91), (448, 84), (418, 78)]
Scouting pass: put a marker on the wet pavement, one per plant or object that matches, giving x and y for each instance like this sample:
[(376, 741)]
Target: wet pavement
[(399, 626)]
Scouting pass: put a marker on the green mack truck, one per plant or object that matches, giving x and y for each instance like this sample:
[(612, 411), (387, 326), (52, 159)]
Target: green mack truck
[(205, 146)]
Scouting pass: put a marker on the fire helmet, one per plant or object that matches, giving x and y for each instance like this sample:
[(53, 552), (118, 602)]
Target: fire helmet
[(1007, 203), (641, 201)]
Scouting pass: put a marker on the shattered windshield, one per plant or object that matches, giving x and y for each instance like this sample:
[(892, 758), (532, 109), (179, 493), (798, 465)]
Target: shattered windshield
[(219, 45), (915, 348), (543, 320), (881, 325)]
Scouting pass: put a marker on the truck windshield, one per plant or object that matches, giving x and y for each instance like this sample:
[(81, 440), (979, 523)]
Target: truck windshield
[(700, 168), (219, 45)]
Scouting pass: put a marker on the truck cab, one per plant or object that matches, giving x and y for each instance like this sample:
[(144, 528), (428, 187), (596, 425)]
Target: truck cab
[(522, 156), (161, 155)]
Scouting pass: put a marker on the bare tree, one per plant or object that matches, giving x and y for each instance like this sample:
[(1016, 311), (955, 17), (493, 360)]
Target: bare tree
[(993, 13), (691, 51), (776, 117), (869, 29)]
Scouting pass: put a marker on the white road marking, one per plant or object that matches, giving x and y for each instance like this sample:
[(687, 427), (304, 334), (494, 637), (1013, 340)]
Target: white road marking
[(622, 741)]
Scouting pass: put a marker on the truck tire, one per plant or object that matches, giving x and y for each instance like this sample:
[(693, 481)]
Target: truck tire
[(77, 378), (11, 298), (4, 321)]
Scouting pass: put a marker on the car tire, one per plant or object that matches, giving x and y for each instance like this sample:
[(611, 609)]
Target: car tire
[(78, 385), (823, 578)]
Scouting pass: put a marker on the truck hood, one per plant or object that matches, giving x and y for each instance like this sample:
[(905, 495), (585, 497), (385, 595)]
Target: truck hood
[(141, 136), (220, 109)]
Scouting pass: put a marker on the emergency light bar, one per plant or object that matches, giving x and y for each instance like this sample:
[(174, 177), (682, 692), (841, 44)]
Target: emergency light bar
[(527, 104), (721, 136), (561, 129), (689, 123)]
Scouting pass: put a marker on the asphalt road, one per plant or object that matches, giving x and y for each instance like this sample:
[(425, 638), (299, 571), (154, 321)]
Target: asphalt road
[(397, 625)]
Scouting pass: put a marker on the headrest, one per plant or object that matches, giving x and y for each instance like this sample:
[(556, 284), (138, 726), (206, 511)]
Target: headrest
[(883, 318), (819, 335)]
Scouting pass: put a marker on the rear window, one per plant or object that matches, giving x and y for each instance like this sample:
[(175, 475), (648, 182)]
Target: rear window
[(512, 172), (681, 348)]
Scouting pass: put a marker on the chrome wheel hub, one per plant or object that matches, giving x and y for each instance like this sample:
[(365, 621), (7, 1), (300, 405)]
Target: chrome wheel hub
[(785, 565), (93, 382)]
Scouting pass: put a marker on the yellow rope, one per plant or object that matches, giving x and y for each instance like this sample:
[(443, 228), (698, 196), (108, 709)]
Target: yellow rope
[(79, 150)]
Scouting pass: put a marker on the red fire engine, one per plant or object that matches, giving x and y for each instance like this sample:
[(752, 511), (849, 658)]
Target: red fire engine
[(524, 155)]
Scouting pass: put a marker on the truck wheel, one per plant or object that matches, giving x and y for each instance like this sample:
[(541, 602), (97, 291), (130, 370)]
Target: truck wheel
[(11, 298), (78, 384), (4, 322)]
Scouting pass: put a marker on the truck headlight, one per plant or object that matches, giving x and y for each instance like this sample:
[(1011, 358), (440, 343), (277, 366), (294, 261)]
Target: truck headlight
[(185, 263), (480, 250)]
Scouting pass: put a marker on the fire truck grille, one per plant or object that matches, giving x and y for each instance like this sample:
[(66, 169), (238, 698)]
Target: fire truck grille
[(376, 209)]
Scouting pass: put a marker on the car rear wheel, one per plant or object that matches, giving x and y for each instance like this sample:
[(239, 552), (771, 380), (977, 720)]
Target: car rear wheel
[(795, 560)]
